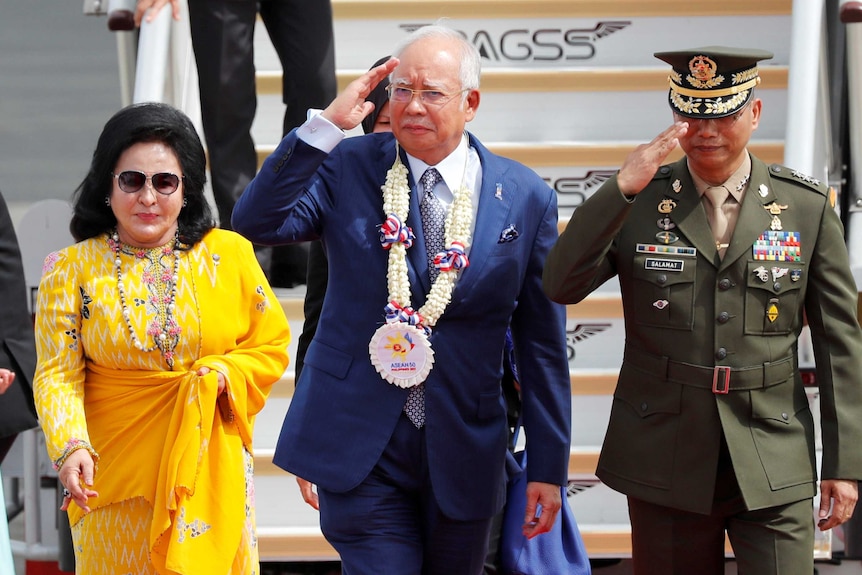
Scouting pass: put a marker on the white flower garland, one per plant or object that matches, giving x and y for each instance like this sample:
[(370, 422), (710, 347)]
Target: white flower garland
[(396, 200)]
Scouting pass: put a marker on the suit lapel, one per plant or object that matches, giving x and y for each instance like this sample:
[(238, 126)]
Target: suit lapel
[(493, 209)]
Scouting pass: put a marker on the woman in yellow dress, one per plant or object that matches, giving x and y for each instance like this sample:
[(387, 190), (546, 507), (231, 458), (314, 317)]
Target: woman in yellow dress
[(158, 340)]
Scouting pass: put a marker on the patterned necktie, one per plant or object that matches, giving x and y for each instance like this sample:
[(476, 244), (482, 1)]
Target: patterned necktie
[(433, 222), (717, 218), (433, 219)]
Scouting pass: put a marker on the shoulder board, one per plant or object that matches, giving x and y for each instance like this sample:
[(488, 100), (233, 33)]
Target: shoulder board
[(663, 172), (791, 175)]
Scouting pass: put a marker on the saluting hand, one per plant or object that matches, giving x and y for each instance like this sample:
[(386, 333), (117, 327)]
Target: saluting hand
[(349, 108), (641, 165)]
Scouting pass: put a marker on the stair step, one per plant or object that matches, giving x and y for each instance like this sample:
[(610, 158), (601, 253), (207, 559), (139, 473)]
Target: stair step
[(375, 9), (522, 80)]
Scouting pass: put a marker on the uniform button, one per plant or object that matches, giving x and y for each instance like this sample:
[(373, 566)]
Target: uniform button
[(776, 286), (724, 284), (661, 279), (665, 169), (721, 353), (723, 317), (644, 406), (784, 416)]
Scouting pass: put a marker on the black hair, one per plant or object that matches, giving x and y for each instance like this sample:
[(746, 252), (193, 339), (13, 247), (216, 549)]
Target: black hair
[(378, 96), (145, 122)]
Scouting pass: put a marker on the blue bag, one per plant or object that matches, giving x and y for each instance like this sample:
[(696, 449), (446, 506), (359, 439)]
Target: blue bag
[(560, 551)]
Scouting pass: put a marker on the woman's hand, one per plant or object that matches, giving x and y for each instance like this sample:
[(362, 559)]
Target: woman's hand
[(154, 6), (221, 380), (76, 476), (6, 379)]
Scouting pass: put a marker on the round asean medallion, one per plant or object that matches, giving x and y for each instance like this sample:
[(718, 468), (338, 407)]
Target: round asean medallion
[(401, 354)]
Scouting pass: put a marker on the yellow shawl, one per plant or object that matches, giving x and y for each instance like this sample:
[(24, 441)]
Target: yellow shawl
[(89, 387)]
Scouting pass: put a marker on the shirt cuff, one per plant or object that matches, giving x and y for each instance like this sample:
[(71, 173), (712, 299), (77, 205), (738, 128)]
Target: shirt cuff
[(319, 132)]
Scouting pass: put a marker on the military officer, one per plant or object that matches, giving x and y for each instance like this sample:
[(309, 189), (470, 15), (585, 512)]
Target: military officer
[(719, 257)]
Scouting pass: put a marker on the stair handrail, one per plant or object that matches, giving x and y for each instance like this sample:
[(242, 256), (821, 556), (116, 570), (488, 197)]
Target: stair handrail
[(851, 16), (808, 136)]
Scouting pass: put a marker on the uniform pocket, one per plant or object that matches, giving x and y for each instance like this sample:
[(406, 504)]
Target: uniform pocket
[(772, 297), (664, 290), (783, 431), (642, 434)]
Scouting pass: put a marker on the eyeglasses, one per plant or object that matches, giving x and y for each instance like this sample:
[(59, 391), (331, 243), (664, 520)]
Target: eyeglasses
[(132, 181), (403, 94)]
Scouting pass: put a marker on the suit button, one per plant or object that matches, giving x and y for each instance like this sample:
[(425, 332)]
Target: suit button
[(661, 279), (725, 284), (721, 353), (723, 317), (644, 406)]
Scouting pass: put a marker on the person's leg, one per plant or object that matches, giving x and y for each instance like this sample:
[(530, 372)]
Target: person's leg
[(774, 541), (668, 541), (223, 41), (375, 527), (391, 524), (301, 33), (7, 565)]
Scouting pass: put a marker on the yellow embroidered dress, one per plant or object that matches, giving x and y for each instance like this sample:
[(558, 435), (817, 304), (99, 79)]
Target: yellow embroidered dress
[(173, 471)]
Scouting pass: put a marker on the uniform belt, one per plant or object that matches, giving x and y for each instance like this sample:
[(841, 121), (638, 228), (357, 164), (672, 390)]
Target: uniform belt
[(720, 379)]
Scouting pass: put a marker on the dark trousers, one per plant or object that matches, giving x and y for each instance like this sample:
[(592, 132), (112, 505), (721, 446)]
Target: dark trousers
[(773, 541), (223, 40), (391, 524)]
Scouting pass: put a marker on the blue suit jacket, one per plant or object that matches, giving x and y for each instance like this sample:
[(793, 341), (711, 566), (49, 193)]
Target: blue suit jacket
[(343, 413)]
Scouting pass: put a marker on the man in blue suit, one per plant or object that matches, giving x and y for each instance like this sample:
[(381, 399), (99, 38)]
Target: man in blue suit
[(398, 416)]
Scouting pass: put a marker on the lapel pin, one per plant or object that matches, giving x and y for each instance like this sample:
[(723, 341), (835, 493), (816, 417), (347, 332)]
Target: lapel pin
[(499, 193), (763, 190), (677, 187)]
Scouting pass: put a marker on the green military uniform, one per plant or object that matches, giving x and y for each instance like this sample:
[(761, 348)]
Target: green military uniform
[(710, 353)]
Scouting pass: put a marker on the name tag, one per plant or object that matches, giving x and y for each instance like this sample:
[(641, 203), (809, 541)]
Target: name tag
[(664, 264)]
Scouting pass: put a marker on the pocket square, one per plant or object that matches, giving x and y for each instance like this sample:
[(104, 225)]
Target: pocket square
[(508, 235)]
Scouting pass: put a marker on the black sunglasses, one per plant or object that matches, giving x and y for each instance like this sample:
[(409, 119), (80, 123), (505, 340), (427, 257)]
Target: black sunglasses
[(132, 181)]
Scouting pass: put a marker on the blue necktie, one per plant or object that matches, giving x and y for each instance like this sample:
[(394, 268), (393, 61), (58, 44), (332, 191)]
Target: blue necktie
[(433, 224)]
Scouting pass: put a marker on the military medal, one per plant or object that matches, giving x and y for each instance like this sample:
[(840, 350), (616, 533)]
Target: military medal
[(763, 190), (666, 223), (772, 310), (666, 237), (775, 209), (666, 206)]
